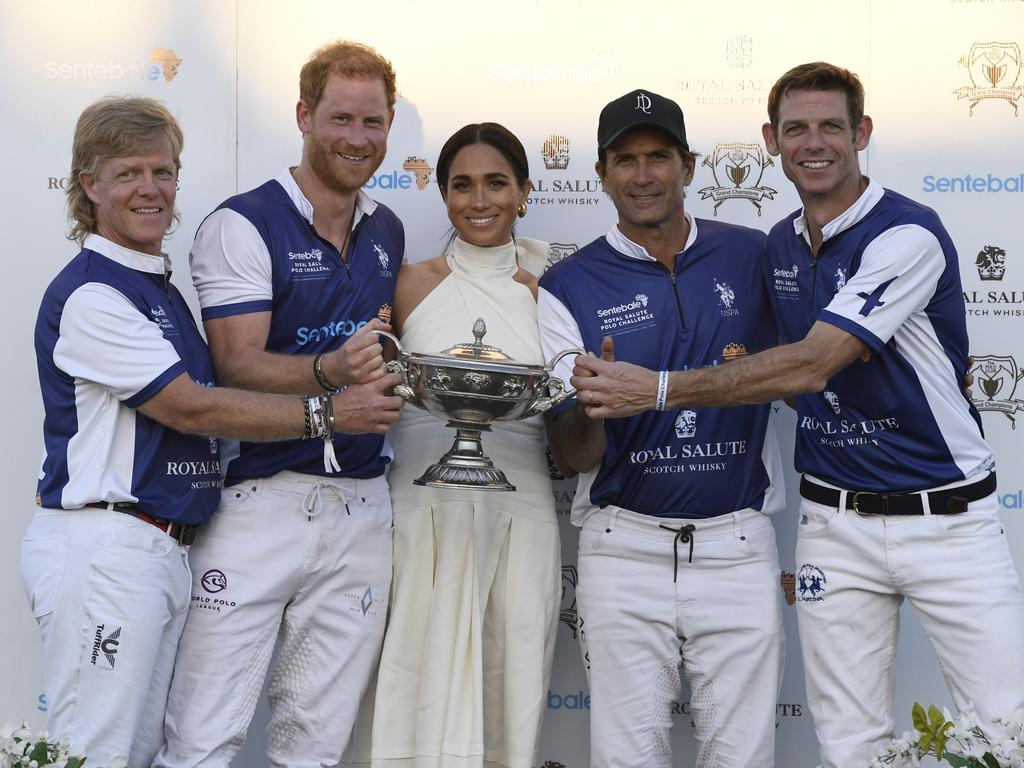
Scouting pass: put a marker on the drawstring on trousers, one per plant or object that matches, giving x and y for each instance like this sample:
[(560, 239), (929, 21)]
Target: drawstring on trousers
[(313, 501), (684, 535)]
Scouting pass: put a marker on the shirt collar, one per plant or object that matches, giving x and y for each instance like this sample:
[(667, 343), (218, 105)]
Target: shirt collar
[(847, 218), (627, 247), (141, 262), (365, 205)]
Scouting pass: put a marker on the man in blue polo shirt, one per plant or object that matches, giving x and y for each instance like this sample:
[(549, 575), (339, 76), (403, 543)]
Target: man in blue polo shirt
[(677, 557), (899, 484), (299, 553), (128, 474)]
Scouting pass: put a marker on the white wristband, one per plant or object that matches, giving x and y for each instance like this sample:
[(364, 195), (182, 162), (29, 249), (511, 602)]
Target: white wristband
[(660, 402)]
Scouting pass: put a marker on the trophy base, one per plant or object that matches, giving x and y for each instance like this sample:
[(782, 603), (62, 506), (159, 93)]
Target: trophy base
[(465, 465)]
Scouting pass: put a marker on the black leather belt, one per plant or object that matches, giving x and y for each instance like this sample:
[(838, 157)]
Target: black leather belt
[(181, 533), (947, 502)]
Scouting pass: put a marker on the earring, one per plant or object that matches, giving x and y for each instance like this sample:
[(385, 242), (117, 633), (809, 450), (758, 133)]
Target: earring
[(521, 210)]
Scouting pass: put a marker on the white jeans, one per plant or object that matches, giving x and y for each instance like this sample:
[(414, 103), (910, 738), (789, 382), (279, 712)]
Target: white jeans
[(853, 573), (297, 560), (721, 619), (110, 594)]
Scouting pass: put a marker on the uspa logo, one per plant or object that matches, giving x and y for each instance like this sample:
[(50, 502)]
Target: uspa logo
[(161, 62), (995, 383), (738, 169), (991, 263), (420, 169), (555, 152), (995, 70)]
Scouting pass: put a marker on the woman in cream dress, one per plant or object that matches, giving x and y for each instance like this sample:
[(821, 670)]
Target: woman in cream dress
[(476, 591)]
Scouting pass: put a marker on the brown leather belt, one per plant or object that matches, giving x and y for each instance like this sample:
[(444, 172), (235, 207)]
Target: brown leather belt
[(946, 502), (180, 532)]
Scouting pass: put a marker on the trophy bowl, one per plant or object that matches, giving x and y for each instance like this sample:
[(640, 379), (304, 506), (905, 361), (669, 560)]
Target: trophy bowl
[(472, 386)]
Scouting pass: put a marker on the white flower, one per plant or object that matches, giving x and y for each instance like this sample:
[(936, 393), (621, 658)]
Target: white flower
[(118, 762)]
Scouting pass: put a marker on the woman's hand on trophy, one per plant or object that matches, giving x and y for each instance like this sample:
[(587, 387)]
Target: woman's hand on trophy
[(368, 408), (359, 360)]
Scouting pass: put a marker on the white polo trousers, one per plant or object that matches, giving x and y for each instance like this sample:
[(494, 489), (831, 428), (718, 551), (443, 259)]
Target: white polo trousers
[(721, 620), (297, 560), (110, 594), (854, 571)]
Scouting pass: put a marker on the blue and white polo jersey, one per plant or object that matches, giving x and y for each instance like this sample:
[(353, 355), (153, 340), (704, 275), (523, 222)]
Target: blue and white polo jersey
[(887, 273), (259, 252), (112, 332), (685, 463)]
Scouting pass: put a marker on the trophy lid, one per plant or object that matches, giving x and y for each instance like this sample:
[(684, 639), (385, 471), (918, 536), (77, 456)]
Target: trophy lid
[(477, 350)]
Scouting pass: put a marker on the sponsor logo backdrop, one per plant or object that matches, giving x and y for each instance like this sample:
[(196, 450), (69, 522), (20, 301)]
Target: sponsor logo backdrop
[(945, 97)]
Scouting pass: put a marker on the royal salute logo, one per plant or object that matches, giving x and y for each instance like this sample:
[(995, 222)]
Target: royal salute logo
[(568, 614), (811, 583), (787, 581), (686, 425), (832, 399), (555, 152), (420, 170), (738, 169), (558, 251), (991, 263), (995, 72), (384, 313), (995, 384)]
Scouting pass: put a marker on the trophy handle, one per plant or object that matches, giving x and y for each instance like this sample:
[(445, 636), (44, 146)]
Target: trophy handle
[(400, 366), (557, 393)]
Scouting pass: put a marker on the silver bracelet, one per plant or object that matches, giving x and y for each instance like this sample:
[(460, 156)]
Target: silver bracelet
[(660, 401)]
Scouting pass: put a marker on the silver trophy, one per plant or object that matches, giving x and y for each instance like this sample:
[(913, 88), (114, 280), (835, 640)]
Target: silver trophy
[(473, 386)]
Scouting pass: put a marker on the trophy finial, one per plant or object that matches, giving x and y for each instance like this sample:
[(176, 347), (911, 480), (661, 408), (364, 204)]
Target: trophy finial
[(479, 330)]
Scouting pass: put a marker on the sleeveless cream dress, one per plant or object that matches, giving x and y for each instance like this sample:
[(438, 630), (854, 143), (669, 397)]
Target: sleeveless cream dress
[(477, 581)]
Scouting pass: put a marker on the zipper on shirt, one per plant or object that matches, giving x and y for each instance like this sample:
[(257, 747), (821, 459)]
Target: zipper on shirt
[(679, 304)]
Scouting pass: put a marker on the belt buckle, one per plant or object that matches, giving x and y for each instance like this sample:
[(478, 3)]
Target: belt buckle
[(884, 501)]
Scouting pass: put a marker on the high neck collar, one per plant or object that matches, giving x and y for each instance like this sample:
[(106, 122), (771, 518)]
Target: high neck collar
[(494, 261)]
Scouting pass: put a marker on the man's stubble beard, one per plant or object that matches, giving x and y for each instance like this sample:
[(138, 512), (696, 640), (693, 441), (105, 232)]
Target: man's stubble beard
[(320, 162)]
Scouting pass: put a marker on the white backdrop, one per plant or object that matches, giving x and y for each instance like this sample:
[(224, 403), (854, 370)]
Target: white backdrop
[(944, 81)]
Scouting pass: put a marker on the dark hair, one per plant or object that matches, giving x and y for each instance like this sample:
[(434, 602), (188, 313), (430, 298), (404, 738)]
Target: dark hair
[(347, 59), (491, 134), (818, 76), (684, 154)]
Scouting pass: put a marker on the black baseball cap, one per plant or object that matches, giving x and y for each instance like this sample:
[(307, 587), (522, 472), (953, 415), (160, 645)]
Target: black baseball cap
[(638, 108)]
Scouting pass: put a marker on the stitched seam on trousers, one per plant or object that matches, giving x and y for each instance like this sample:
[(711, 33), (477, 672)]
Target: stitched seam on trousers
[(659, 716)]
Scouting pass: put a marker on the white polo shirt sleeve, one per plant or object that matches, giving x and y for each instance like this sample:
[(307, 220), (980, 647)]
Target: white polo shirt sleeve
[(94, 324), (558, 331), (231, 267), (897, 277)]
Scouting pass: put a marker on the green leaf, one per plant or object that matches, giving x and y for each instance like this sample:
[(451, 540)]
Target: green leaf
[(74, 762), (954, 760), (936, 717), (920, 718), (40, 753), (990, 761)]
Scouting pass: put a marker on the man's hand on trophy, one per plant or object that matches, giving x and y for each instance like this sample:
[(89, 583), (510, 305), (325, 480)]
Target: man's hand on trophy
[(368, 408), (359, 360), (609, 389)]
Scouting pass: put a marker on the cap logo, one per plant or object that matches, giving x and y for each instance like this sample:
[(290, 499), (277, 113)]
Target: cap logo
[(643, 103)]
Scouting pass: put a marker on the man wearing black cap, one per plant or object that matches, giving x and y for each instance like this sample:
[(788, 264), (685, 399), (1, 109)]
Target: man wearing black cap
[(677, 557)]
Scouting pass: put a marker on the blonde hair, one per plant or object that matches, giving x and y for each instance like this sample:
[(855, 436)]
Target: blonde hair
[(115, 126), (346, 58)]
